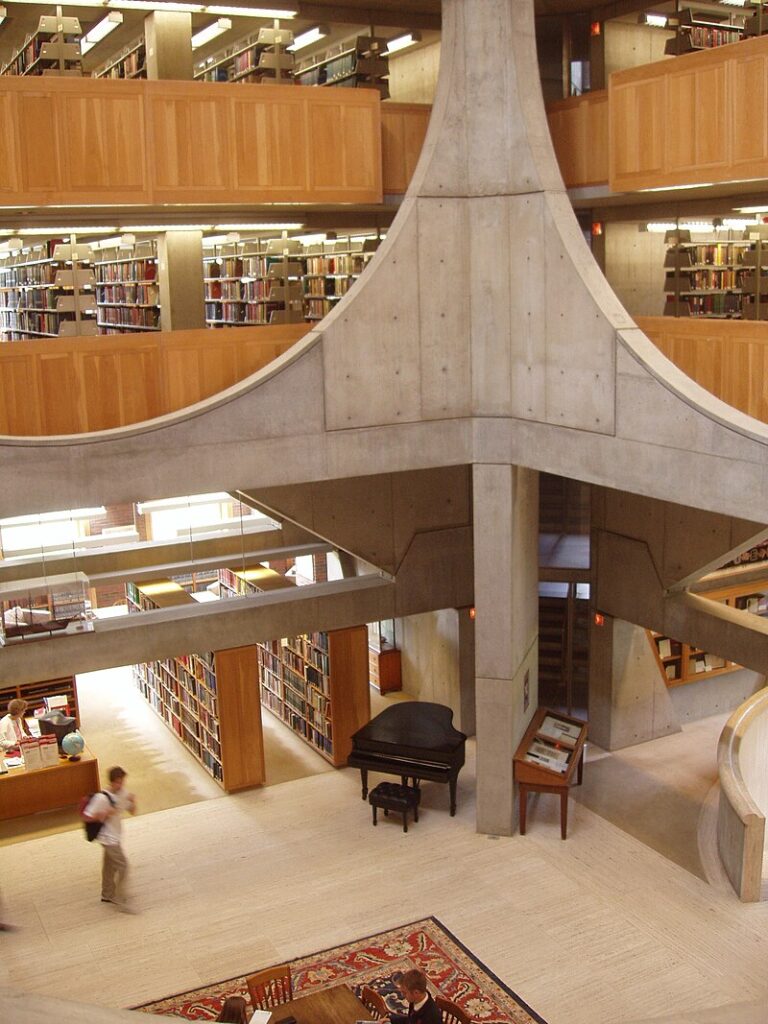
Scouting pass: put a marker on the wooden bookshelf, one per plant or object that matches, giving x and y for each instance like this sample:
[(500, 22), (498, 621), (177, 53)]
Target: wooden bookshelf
[(705, 279), (35, 694), (254, 282), (209, 700), (681, 663), (359, 62), (52, 49), (384, 659), (316, 683), (47, 291), (696, 31), (130, 62), (259, 57), (127, 289)]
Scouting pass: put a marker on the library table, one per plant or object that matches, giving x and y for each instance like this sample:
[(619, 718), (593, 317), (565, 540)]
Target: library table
[(45, 789), (337, 1005)]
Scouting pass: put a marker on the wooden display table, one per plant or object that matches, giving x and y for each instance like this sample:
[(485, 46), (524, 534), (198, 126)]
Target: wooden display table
[(337, 1005), (45, 789), (550, 754)]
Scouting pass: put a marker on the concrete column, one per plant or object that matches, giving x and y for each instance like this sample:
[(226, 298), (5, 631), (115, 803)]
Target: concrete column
[(182, 293), (168, 39), (506, 521)]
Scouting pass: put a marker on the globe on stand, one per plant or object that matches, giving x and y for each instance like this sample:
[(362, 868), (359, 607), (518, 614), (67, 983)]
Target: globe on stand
[(73, 745)]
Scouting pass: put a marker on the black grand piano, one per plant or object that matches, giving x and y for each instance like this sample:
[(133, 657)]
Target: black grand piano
[(413, 739)]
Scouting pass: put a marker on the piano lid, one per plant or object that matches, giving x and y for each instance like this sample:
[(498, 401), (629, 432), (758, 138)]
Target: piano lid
[(417, 724)]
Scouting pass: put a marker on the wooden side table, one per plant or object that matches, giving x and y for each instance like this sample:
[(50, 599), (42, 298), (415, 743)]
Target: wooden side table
[(550, 757)]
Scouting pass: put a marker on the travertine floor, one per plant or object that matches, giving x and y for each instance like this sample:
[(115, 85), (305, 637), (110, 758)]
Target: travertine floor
[(597, 928)]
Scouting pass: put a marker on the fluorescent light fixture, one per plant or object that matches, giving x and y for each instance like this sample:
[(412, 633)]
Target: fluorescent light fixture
[(676, 188), (752, 209), (739, 223), (3, 15), (145, 5), (697, 227), (56, 232), (253, 12), (213, 240), (654, 20), (309, 239), (734, 3), (258, 227), (312, 35), (661, 227), (150, 229), (100, 30), (54, 517), (400, 42), (210, 32)]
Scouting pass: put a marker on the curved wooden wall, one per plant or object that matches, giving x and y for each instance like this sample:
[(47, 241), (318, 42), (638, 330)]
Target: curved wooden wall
[(77, 385)]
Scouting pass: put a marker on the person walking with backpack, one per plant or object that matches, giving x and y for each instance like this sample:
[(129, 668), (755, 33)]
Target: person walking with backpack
[(107, 807)]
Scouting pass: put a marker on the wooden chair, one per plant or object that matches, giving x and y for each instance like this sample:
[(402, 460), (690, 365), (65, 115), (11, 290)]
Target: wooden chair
[(374, 1002), (271, 987), (451, 1013)]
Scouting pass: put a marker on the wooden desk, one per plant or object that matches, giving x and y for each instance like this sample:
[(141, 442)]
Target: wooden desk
[(45, 789), (335, 1005)]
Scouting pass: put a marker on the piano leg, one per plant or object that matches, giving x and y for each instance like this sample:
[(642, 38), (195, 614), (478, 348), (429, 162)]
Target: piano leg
[(452, 787), (364, 781)]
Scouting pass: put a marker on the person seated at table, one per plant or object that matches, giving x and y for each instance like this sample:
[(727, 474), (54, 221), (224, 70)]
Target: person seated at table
[(13, 726), (422, 1008), (234, 1010)]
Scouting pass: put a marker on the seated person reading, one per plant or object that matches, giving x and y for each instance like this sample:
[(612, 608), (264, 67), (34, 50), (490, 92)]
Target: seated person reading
[(13, 726), (422, 1008)]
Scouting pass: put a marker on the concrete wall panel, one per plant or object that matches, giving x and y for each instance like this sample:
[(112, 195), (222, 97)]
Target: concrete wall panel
[(528, 296), (381, 346), (490, 309), (444, 313)]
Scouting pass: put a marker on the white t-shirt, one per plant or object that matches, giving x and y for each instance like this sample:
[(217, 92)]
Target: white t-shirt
[(111, 831)]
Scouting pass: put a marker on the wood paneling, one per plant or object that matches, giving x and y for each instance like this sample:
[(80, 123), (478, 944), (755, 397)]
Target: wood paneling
[(403, 128), (76, 385), (66, 140), (239, 704), (727, 357), (579, 128), (697, 118)]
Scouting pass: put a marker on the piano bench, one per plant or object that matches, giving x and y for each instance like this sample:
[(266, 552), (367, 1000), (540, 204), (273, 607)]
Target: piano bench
[(391, 796)]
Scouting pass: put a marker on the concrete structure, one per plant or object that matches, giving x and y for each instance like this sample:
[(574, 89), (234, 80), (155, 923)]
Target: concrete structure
[(483, 336)]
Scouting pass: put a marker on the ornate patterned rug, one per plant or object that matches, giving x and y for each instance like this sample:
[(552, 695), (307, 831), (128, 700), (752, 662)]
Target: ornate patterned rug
[(453, 971)]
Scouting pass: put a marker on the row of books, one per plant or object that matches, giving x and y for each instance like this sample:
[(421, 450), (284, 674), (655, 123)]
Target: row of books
[(341, 263), (131, 66), (139, 271), (131, 316), (239, 291), (251, 313), (144, 294), (27, 274), (327, 286)]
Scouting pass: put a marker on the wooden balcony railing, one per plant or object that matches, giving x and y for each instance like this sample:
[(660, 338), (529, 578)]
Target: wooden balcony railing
[(76, 385), (727, 357), (68, 141)]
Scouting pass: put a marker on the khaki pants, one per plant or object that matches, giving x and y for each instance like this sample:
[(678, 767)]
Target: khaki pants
[(113, 871)]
